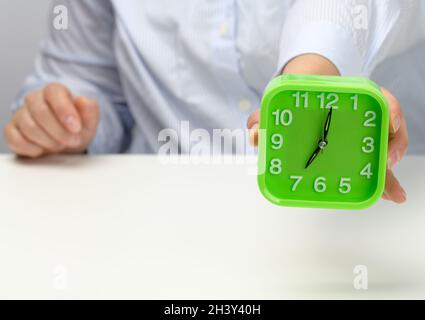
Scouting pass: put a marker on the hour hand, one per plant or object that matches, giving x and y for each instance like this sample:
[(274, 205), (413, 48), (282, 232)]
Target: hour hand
[(313, 157)]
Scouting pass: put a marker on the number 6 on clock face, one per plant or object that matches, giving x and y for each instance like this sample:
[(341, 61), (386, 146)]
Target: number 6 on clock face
[(325, 142)]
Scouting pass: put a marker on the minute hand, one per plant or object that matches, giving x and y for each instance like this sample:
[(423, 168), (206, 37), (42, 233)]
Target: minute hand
[(327, 126)]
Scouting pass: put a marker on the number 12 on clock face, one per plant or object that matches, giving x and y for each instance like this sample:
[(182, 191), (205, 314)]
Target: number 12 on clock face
[(323, 142)]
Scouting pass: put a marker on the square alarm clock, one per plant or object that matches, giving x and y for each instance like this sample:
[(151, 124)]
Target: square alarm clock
[(323, 142)]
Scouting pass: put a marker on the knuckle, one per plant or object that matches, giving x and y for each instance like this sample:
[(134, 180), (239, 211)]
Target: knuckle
[(38, 110), (48, 90), (29, 127), (30, 99), (53, 88)]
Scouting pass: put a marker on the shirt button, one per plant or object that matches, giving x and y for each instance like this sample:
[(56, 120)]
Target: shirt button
[(245, 105), (224, 30)]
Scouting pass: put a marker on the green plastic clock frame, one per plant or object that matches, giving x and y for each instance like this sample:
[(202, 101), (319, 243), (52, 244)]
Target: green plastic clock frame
[(277, 94)]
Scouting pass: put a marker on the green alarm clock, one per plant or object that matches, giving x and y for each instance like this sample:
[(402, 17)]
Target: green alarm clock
[(323, 142)]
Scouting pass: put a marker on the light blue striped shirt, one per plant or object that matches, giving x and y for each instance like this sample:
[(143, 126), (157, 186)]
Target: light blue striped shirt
[(153, 64)]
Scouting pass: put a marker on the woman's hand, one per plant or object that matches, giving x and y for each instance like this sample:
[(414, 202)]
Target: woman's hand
[(398, 143), (398, 137), (52, 121)]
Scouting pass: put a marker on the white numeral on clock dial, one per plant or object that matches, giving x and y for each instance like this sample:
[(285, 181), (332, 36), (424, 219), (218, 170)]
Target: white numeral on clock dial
[(320, 184), (276, 166), (298, 97), (332, 100), (345, 185), (277, 141), (297, 182), (283, 117), (370, 119), (367, 171), (369, 145), (355, 99)]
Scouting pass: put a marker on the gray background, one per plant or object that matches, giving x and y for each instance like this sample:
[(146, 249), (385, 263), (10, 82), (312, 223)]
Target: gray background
[(23, 24)]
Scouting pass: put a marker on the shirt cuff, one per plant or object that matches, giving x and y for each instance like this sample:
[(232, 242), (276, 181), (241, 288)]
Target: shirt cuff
[(325, 39), (109, 133)]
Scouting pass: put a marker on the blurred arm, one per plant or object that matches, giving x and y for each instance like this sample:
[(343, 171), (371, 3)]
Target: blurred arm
[(355, 35), (82, 58)]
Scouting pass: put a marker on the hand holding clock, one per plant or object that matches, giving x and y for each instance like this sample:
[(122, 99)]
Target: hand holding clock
[(398, 136), (397, 148)]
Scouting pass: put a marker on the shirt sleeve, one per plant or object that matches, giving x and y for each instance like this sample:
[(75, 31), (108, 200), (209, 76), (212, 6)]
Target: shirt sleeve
[(78, 54), (354, 34)]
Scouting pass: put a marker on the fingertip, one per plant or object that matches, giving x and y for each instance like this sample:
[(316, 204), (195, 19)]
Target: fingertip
[(253, 119), (85, 102), (253, 135), (89, 112), (400, 198), (88, 109), (396, 116), (403, 195), (393, 190), (396, 197)]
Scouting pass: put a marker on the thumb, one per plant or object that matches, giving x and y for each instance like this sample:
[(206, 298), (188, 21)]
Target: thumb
[(253, 119), (89, 113), (253, 125)]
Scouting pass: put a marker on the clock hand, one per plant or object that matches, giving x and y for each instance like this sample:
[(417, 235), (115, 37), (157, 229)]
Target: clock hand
[(313, 157), (322, 143), (327, 126)]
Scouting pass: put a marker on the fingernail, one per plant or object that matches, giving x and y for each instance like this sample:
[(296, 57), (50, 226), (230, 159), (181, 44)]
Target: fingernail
[(253, 134), (393, 159), (396, 123), (72, 124)]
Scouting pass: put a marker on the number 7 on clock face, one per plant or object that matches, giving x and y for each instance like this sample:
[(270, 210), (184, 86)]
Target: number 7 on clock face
[(323, 142)]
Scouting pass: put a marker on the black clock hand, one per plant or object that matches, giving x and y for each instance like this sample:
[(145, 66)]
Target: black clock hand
[(322, 143), (313, 157), (327, 126)]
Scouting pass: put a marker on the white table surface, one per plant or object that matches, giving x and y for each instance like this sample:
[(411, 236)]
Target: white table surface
[(132, 227)]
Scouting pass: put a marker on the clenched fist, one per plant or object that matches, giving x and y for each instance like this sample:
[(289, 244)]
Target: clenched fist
[(52, 121)]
